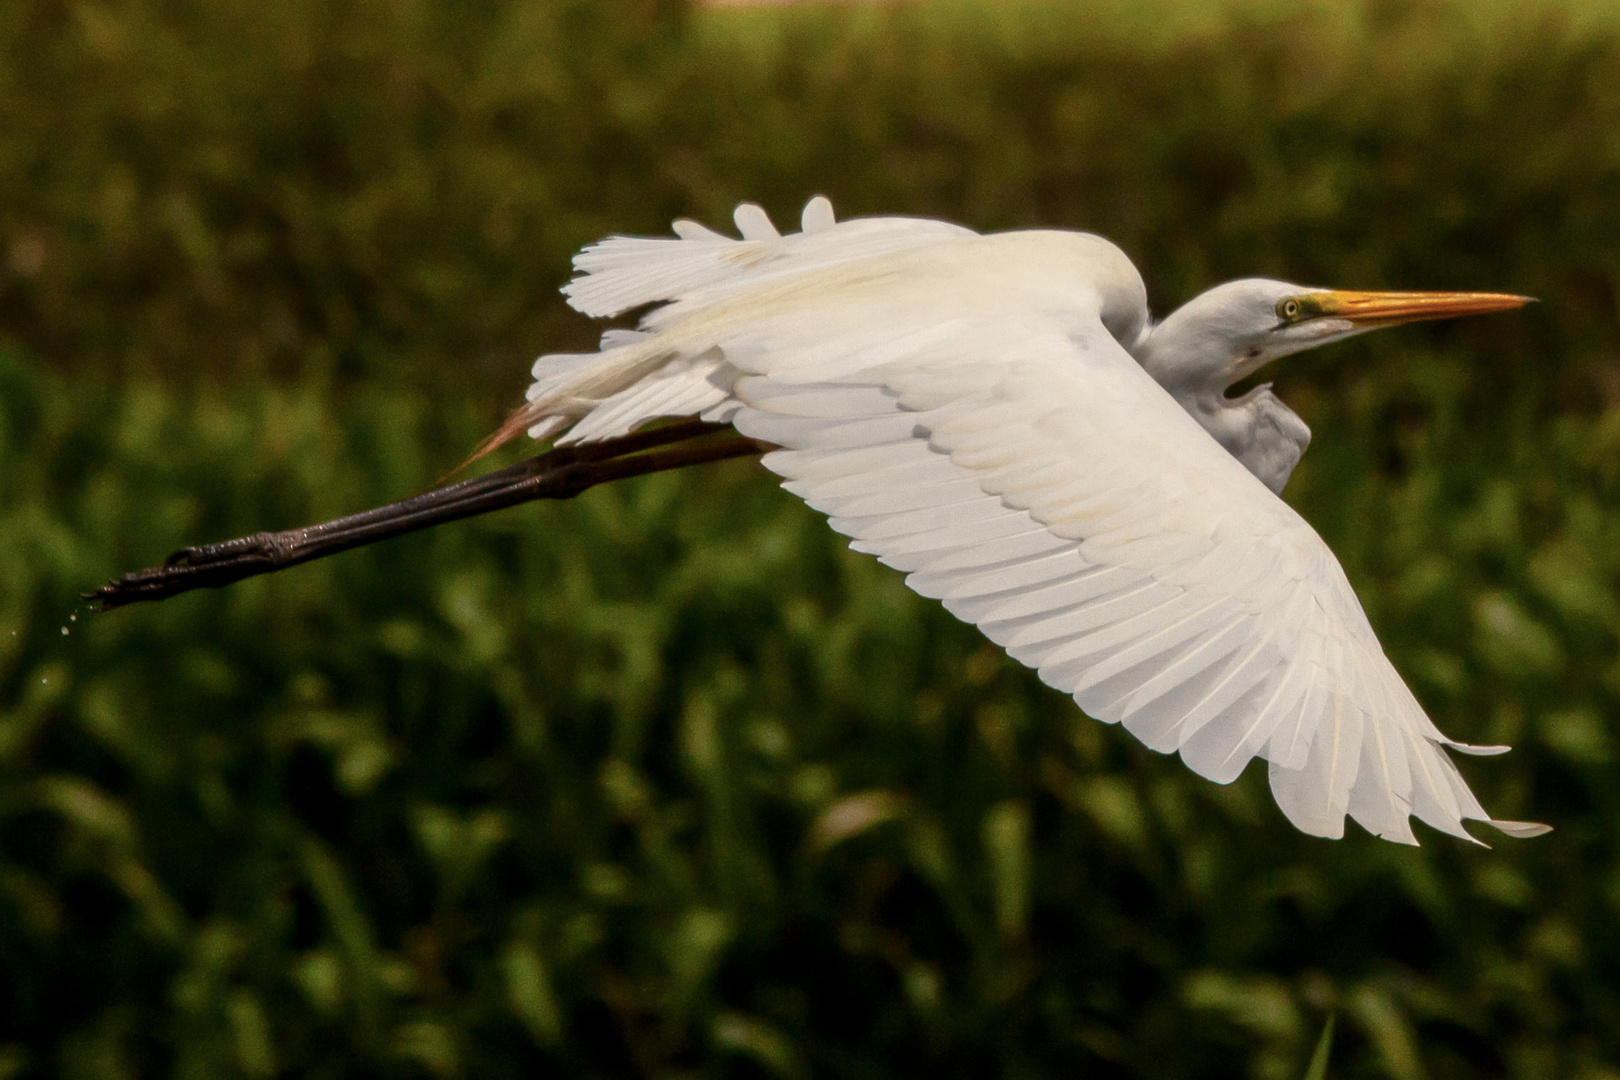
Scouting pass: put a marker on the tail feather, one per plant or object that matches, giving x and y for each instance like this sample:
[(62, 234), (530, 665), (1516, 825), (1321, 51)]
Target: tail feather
[(526, 418), (569, 386)]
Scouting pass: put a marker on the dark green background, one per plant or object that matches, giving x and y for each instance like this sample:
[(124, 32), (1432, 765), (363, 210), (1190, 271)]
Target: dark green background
[(664, 782)]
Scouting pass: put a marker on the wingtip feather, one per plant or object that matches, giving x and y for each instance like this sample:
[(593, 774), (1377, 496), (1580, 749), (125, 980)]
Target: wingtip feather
[(1477, 751), (1522, 830)]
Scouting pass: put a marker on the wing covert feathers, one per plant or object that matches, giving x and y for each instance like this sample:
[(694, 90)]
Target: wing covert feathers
[(971, 422)]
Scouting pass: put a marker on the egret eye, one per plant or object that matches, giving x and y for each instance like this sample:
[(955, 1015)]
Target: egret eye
[(1289, 309)]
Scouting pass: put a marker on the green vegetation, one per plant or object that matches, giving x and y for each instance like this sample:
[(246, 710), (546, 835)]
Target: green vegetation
[(664, 782)]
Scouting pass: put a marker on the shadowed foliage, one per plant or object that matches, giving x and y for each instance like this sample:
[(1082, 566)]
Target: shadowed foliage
[(663, 781)]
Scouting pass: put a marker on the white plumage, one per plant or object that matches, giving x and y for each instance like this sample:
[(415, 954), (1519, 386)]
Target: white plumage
[(982, 413)]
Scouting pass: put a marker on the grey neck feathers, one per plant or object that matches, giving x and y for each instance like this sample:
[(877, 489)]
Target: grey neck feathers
[(1256, 427), (1260, 431)]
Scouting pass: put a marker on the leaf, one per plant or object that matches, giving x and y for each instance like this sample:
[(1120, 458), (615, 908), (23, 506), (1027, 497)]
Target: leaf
[(1324, 1046)]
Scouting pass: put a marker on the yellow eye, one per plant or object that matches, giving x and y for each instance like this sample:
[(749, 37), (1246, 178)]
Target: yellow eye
[(1289, 309)]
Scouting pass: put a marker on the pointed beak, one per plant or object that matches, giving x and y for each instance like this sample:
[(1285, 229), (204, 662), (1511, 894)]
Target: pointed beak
[(1373, 309)]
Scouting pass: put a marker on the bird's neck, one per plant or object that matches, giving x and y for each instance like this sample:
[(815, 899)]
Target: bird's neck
[(1260, 431), (1184, 365)]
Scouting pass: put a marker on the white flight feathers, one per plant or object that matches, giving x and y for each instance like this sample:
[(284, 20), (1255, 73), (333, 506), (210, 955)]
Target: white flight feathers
[(624, 272), (963, 408)]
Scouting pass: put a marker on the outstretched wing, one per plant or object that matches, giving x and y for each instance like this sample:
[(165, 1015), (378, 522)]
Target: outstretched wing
[(698, 269), (1037, 481)]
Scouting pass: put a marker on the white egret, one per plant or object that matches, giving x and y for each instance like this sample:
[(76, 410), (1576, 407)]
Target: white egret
[(998, 417)]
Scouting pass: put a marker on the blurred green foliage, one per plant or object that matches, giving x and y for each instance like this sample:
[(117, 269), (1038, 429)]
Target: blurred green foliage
[(663, 782)]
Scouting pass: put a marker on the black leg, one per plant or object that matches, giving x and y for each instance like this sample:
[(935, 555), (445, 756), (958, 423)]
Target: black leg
[(561, 473)]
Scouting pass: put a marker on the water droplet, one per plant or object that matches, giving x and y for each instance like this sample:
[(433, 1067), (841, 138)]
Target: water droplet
[(64, 631), (73, 618)]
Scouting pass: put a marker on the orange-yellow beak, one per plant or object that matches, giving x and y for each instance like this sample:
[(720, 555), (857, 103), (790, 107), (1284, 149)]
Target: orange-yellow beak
[(1373, 309)]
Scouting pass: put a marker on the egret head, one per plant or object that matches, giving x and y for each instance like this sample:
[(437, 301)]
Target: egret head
[(1233, 330)]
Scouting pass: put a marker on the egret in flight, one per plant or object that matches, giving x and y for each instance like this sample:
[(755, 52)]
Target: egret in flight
[(998, 417)]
